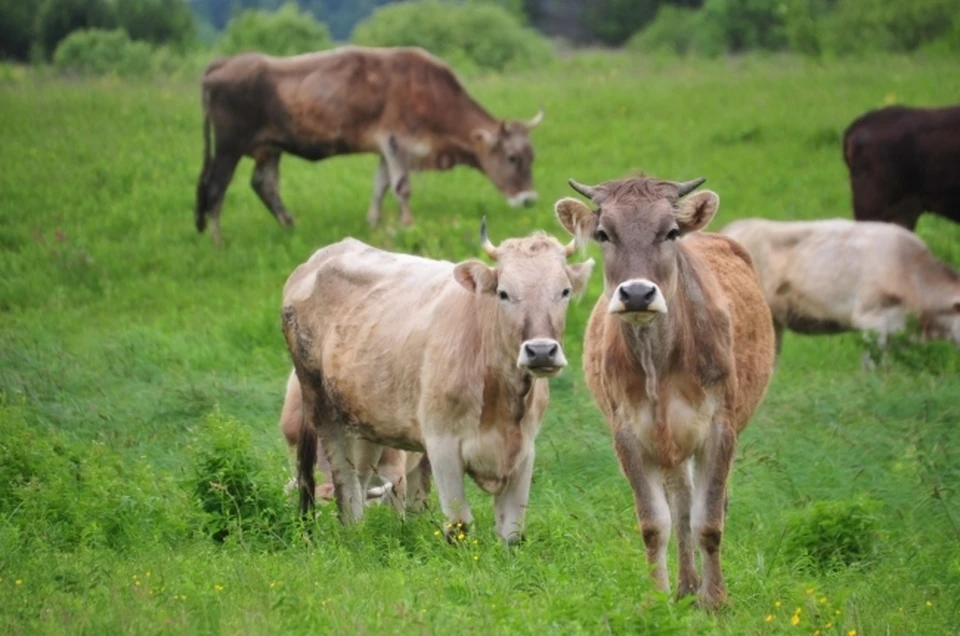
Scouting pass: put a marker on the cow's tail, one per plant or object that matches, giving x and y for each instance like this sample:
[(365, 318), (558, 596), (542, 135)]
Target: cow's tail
[(306, 466), (202, 185)]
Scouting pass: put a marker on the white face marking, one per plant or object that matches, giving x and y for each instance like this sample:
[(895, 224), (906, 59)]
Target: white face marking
[(523, 198)]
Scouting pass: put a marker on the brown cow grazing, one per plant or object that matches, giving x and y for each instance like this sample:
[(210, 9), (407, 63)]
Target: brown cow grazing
[(678, 354), (423, 355), (389, 479), (401, 103), (903, 161), (839, 275)]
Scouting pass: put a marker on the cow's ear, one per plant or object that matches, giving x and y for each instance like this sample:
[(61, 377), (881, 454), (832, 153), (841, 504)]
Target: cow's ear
[(696, 211), (576, 218), (476, 277), (483, 139), (579, 274)]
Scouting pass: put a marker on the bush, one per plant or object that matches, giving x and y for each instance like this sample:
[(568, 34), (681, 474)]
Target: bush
[(286, 32), (677, 30), (467, 36), (831, 534), (614, 21), (17, 18), (865, 26), (156, 21), (100, 52), (65, 495), (237, 496), (748, 24), (56, 19)]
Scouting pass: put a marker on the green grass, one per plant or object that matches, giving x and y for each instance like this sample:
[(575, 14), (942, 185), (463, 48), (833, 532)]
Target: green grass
[(122, 331)]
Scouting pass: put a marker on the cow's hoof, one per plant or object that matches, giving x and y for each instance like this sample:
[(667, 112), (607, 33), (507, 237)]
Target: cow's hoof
[(456, 532), (711, 601), (287, 222)]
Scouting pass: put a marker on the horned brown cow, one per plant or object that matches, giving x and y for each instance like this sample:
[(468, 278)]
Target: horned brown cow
[(902, 162), (678, 354), (429, 356), (401, 103)]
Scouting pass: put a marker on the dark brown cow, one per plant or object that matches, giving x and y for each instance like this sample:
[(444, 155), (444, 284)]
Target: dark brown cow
[(904, 161), (678, 353), (401, 103)]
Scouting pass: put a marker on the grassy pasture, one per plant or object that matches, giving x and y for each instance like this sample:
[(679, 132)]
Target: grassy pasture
[(122, 330)]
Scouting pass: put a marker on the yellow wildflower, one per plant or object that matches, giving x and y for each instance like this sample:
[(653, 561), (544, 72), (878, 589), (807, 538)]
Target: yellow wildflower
[(476, 558), (776, 604), (809, 591), (816, 632), (436, 533), (137, 583), (836, 612), (461, 536), (19, 581), (929, 604), (218, 588), (829, 624), (148, 573), (852, 632), (795, 620), (823, 600), (769, 618)]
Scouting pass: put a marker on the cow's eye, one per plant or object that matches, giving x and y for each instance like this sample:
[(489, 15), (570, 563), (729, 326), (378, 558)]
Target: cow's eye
[(673, 234), (565, 293), (513, 158), (503, 295), (601, 236)]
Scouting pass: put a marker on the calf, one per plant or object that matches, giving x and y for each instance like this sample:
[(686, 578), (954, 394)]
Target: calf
[(838, 275), (678, 354), (428, 356)]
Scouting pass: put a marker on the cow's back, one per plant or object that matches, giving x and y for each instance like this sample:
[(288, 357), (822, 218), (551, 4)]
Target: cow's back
[(751, 322)]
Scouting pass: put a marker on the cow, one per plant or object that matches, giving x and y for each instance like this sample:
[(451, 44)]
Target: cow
[(837, 275), (401, 103), (429, 356), (678, 353), (903, 161), (390, 473)]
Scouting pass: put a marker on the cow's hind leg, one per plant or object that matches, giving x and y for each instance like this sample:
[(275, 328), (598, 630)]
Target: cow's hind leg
[(266, 183), (653, 511), (418, 481), (214, 187), (510, 504), (348, 491), (680, 495), (399, 177), (711, 471), (381, 181)]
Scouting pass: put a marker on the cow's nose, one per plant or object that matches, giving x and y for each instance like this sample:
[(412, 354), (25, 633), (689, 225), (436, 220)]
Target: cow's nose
[(637, 295), (542, 356)]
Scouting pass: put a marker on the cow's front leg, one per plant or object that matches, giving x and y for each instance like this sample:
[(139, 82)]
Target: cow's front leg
[(347, 491), (381, 181), (399, 176), (510, 504), (447, 466), (653, 512), (680, 495), (711, 471)]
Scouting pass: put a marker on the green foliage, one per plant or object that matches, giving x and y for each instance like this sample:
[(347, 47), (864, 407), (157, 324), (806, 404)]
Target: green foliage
[(284, 32), (833, 534), (469, 36), (56, 19), (677, 30), (17, 20), (614, 21), (748, 24), (101, 52), (865, 26), (908, 350), (156, 21), (237, 495)]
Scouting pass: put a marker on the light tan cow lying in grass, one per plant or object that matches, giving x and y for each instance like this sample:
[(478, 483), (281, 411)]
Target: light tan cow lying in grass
[(840, 275), (389, 479), (678, 354), (422, 355)]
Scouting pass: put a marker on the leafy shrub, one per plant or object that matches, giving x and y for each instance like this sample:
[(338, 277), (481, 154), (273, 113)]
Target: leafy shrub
[(56, 19), (100, 52), (678, 30), (237, 496), (864, 26), (156, 21), (748, 24), (468, 36), (285, 32), (16, 28), (65, 495), (614, 21), (832, 534)]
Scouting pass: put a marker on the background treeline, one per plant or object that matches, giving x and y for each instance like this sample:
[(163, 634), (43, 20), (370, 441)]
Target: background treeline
[(134, 36)]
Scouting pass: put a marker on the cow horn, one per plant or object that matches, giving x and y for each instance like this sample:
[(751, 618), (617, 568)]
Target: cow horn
[(537, 119), (571, 247), (585, 190), (485, 240), (686, 187)]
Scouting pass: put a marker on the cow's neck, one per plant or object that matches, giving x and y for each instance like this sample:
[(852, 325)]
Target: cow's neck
[(506, 387)]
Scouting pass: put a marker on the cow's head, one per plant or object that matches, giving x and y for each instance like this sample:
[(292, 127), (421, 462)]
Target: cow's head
[(532, 284), (943, 320), (638, 223), (506, 157)]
